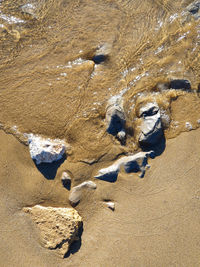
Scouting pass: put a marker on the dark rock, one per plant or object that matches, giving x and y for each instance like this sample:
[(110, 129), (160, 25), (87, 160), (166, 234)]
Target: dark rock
[(116, 121), (98, 59), (180, 85)]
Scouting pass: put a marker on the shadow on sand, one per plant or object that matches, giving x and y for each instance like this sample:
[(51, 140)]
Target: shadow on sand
[(49, 170), (75, 246), (158, 148)]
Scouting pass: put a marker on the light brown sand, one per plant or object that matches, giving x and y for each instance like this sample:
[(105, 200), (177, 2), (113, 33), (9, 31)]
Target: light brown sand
[(156, 221)]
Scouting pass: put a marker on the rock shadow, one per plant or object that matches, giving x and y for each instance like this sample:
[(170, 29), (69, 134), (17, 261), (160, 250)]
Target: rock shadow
[(109, 177), (158, 148), (75, 246), (49, 170)]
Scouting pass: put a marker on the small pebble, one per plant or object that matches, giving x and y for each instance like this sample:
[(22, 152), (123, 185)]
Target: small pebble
[(111, 205), (66, 180)]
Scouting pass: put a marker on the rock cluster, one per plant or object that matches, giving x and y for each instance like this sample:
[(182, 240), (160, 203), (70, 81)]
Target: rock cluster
[(134, 163), (45, 150), (76, 192), (58, 227)]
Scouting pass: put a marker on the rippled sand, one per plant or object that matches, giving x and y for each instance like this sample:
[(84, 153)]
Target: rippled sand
[(50, 85)]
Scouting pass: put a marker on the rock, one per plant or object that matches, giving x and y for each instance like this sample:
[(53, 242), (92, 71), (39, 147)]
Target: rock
[(115, 117), (45, 150), (180, 84), (111, 205), (121, 135), (58, 226), (98, 59), (109, 174), (76, 192), (194, 9), (66, 180), (30, 9), (151, 127), (133, 163), (188, 126)]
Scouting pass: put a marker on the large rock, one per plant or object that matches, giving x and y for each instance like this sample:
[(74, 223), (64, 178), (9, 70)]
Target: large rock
[(76, 192), (58, 227), (151, 127), (115, 117), (133, 163), (45, 150)]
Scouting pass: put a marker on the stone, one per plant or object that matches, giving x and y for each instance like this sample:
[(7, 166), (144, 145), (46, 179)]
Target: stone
[(30, 9), (58, 227), (109, 174), (98, 59), (180, 84), (151, 127), (134, 163), (115, 117), (76, 192), (111, 205), (45, 150), (188, 126), (194, 9), (66, 180)]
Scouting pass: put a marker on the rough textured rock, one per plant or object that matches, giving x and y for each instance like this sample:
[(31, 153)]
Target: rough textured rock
[(45, 150), (58, 226), (151, 127), (76, 192), (134, 163), (115, 118)]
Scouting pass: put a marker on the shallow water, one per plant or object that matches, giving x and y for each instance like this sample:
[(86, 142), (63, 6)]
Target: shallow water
[(50, 84)]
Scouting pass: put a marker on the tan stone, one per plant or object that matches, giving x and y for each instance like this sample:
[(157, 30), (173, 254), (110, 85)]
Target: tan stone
[(58, 226)]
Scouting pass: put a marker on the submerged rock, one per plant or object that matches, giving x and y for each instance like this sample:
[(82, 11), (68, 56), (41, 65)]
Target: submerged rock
[(180, 84), (76, 192), (30, 9), (98, 59), (151, 127), (45, 150), (58, 226), (194, 9), (115, 117), (133, 163)]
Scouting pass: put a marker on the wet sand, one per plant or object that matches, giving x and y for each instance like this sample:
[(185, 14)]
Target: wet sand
[(156, 221), (50, 85)]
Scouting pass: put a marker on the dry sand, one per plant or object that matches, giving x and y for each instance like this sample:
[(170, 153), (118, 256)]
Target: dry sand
[(156, 221)]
